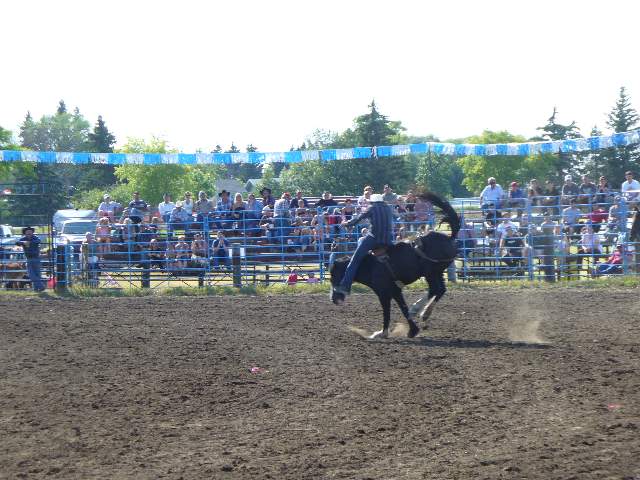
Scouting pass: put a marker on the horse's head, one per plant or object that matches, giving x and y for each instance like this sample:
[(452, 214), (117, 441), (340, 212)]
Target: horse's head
[(337, 272)]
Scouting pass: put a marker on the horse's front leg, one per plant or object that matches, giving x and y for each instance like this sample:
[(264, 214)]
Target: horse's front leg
[(423, 308), (385, 301), (413, 327)]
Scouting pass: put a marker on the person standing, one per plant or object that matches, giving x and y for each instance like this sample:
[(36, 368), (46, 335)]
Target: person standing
[(30, 243), (630, 188), (380, 233)]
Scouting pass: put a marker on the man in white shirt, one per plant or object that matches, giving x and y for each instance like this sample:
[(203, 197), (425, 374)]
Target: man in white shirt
[(491, 199), (630, 188), (166, 207), (107, 208)]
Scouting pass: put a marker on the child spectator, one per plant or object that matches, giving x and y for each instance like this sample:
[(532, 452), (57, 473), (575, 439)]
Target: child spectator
[(292, 279), (221, 251), (311, 278), (613, 264), (103, 237)]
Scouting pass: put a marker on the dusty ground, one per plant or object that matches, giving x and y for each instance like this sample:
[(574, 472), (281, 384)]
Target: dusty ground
[(162, 388)]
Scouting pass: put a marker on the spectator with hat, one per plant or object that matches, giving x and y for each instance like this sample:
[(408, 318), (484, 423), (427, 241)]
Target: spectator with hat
[(491, 200), (223, 211), (30, 243), (108, 208), (267, 198)]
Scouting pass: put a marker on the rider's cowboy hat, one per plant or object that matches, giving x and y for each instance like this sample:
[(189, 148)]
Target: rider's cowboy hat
[(265, 189), (376, 197), (26, 229)]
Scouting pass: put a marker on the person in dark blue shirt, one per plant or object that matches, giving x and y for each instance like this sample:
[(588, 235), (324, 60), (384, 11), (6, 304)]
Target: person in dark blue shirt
[(30, 243), (380, 233)]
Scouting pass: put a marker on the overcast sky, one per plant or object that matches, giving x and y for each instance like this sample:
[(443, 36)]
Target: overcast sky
[(202, 73)]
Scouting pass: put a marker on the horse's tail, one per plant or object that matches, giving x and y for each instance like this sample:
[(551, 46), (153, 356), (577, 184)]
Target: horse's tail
[(450, 215)]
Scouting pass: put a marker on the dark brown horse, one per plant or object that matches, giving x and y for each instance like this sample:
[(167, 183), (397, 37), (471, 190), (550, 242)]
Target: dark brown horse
[(428, 256)]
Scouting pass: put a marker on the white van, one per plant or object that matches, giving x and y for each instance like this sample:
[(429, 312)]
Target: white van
[(72, 214)]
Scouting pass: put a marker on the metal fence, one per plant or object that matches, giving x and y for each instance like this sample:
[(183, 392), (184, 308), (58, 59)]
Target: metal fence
[(540, 239)]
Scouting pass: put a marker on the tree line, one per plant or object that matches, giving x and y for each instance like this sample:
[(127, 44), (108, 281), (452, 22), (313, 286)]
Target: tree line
[(84, 185)]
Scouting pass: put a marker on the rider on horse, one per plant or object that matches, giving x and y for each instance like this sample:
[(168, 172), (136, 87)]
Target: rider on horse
[(380, 234)]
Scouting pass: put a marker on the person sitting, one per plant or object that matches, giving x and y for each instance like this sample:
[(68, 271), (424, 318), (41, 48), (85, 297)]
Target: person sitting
[(569, 190), (182, 252), (424, 214), (380, 234), (292, 279), (179, 220), (103, 237), (587, 191), (603, 193), (615, 219), (221, 251), (630, 188), (187, 203), (551, 198), (298, 201), (238, 211), (363, 200), (504, 224), (156, 254), (202, 208), (253, 212), (267, 223), (199, 250), (516, 198), (326, 201), (571, 219), (491, 200), (511, 245), (165, 208), (597, 217), (613, 265), (589, 243), (108, 208), (535, 194), (311, 278), (223, 211), (267, 198), (138, 208)]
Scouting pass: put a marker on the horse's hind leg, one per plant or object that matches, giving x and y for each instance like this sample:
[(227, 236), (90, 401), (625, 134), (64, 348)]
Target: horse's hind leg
[(413, 327)]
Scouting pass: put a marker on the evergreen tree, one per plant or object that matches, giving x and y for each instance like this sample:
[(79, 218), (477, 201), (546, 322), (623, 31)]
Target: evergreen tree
[(232, 149), (251, 148), (101, 140), (218, 149), (557, 131), (372, 129), (5, 139), (28, 132), (622, 118), (62, 108)]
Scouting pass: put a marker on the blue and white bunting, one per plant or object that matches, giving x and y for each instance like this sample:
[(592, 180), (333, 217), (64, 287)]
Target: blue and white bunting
[(574, 145)]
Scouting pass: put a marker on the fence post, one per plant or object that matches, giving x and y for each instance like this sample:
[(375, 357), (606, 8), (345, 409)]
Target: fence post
[(236, 264), (61, 268)]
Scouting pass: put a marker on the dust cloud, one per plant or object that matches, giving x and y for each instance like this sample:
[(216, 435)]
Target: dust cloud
[(526, 325)]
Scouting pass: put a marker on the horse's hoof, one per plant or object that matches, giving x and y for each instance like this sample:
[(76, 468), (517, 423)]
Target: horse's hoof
[(379, 334), (413, 331)]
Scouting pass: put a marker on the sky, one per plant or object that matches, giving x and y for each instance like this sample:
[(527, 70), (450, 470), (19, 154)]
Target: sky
[(201, 73)]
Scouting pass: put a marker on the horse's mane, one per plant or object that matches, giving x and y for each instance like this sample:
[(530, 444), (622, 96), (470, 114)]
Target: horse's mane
[(450, 215)]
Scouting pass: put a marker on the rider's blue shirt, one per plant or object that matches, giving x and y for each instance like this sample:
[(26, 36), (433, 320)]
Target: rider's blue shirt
[(381, 217)]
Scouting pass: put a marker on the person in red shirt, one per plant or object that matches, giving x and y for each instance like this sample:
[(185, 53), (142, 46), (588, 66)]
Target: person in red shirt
[(293, 278), (613, 265), (597, 216)]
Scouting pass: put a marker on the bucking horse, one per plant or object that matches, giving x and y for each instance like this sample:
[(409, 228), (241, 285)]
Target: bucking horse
[(427, 256)]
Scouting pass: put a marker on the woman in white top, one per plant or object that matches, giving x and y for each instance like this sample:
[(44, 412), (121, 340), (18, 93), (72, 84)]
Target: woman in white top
[(187, 203)]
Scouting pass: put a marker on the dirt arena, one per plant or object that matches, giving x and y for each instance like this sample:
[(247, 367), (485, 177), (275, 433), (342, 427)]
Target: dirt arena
[(529, 383)]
